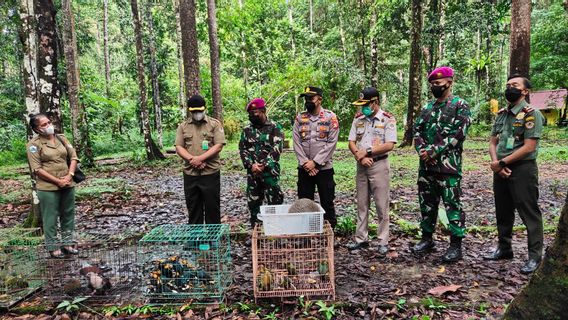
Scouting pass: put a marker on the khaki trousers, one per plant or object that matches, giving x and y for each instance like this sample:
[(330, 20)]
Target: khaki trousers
[(374, 181)]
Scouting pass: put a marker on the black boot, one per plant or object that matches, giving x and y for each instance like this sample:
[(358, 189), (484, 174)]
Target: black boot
[(454, 252), (426, 244)]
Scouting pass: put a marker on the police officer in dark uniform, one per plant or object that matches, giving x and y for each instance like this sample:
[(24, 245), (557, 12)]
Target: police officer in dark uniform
[(513, 149), (316, 131)]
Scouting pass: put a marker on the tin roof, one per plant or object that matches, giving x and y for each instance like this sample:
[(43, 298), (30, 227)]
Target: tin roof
[(548, 99)]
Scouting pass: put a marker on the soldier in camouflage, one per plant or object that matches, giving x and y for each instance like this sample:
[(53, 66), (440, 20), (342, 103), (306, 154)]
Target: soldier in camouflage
[(440, 131), (260, 148)]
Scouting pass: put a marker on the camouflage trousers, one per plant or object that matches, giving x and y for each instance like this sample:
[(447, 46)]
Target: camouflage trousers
[(432, 187), (260, 188)]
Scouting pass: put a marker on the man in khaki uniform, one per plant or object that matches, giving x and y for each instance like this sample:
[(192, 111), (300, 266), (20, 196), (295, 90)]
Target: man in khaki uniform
[(372, 136), (514, 149), (199, 140), (316, 131)]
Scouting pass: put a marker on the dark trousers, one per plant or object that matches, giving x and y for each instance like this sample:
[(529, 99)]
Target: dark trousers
[(326, 189), (203, 198), (519, 191)]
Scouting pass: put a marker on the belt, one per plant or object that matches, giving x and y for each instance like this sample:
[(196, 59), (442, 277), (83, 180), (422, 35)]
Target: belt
[(380, 157)]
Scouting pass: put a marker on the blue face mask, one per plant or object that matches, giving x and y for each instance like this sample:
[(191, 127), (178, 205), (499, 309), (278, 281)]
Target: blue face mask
[(366, 110)]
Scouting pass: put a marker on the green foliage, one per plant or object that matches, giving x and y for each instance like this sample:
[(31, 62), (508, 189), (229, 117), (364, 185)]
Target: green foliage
[(400, 305), (95, 188), (232, 128), (549, 46), (346, 225), (71, 306), (433, 304), (327, 311)]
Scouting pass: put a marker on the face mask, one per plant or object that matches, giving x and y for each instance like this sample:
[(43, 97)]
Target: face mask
[(255, 120), (366, 110), (198, 115), (438, 91), (513, 94), (49, 130), (310, 106)]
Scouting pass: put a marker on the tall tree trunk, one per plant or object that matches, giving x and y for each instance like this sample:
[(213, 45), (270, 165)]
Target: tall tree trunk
[(78, 119), (291, 22), (311, 16), (105, 49), (214, 54), (342, 32), (374, 49), (28, 37), (415, 73), (189, 47), (244, 51), (154, 75), (181, 96), (152, 151), (520, 37), (544, 297), (49, 89)]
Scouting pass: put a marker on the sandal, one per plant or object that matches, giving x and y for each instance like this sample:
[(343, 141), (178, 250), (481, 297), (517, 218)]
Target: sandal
[(69, 250), (56, 254)]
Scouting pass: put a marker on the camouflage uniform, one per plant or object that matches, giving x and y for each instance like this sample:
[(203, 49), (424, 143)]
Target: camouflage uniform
[(441, 130), (263, 145)]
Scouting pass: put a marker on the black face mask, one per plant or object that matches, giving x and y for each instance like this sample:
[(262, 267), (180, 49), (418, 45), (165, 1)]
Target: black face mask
[(513, 94), (255, 120), (438, 91), (310, 106)]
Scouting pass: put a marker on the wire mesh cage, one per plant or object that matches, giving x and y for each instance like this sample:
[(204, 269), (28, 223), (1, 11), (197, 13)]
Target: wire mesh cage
[(186, 262), (105, 269), (293, 265), (20, 264)]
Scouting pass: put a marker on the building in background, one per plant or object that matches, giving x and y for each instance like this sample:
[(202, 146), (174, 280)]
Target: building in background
[(552, 104)]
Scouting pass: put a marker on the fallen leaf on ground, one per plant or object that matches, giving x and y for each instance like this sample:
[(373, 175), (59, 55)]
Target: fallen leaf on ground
[(438, 291)]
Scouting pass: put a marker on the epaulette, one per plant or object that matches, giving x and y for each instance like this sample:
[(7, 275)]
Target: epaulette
[(502, 110), (528, 109), (387, 114)]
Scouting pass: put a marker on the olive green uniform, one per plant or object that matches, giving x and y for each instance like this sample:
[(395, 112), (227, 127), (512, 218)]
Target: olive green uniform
[(202, 187), (519, 191), (55, 203)]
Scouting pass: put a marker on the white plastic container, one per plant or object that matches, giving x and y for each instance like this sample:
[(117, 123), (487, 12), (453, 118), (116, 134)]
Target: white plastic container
[(277, 221)]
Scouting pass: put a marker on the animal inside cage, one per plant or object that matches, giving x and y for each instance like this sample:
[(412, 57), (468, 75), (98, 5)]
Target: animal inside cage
[(105, 270), (293, 265), (20, 265), (182, 262)]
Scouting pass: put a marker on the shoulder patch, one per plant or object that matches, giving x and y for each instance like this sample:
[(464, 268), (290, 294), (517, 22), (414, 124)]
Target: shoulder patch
[(529, 124), (33, 149)]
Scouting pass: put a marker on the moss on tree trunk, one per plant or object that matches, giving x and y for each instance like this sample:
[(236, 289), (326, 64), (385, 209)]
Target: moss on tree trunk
[(544, 297)]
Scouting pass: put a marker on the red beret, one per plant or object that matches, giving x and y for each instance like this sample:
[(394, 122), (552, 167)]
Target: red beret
[(441, 72), (256, 104)]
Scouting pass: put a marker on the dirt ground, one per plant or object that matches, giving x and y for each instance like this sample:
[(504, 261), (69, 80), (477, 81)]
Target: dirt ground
[(368, 286)]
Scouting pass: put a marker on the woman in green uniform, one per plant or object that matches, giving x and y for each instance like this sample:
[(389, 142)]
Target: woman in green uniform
[(48, 156)]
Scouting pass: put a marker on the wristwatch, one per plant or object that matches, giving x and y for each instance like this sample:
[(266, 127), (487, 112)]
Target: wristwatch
[(369, 151), (502, 163)]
